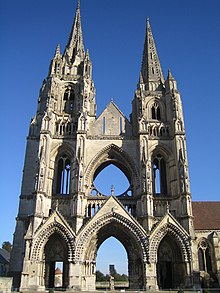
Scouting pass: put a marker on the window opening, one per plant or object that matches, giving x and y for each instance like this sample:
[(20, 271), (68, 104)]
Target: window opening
[(58, 279), (69, 98), (103, 125), (120, 125), (66, 96), (204, 256), (155, 112), (157, 179), (63, 180), (111, 176), (158, 113), (112, 254), (159, 175)]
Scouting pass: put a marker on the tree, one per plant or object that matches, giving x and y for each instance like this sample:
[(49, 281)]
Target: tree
[(7, 246), (100, 277)]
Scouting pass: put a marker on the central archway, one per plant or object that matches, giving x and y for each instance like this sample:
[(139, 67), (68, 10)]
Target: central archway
[(133, 249), (112, 252), (128, 233)]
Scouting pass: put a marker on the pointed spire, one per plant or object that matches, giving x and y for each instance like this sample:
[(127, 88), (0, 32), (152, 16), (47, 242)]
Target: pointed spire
[(169, 76), (170, 82), (78, 5), (151, 71), (75, 43), (57, 53)]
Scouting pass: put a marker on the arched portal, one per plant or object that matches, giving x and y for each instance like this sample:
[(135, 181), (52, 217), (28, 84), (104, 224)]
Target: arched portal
[(55, 252), (112, 252), (171, 269), (131, 237)]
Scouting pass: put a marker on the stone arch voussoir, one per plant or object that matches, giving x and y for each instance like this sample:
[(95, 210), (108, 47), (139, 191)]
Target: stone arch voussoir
[(181, 238), (127, 161), (62, 148), (44, 236), (91, 229)]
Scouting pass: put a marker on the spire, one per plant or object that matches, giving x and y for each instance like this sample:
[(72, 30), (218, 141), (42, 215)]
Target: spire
[(78, 5), (57, 53), (151, 71), (170, 82), (75, 43)]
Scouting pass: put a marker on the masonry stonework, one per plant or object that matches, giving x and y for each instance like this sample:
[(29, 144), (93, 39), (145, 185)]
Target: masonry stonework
[(64, 218)]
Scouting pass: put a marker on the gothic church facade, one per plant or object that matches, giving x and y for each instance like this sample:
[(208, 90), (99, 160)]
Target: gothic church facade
[(62, 215)]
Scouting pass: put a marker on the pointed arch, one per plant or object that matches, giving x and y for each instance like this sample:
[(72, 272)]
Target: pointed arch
[(69, 99), (43, 237), (62, 147), (205, 255), (181, 238), (162, 149), (161, 157), (62, 159), (155, 109), (133, 231), (113, 154)]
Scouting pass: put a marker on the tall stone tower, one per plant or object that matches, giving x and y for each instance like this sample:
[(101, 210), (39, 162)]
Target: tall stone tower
[(62, 215)]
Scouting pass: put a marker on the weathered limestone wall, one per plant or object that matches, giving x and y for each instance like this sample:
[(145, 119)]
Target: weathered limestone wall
[(5, 284)]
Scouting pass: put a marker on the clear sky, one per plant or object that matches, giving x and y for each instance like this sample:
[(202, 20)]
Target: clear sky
[(187, 36)]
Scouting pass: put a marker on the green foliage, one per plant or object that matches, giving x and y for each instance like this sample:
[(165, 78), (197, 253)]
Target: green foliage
[(7, 246), (100, 277)]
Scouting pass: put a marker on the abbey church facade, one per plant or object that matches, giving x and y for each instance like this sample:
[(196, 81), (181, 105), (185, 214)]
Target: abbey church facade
[(64, 218)]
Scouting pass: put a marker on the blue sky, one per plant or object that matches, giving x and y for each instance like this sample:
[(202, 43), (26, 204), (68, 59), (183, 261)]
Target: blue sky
[(187, 36)]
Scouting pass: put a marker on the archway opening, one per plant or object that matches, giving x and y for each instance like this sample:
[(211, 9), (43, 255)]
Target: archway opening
[(112, 252), (58, 278), (171, 269), (112, 181), (128, 263), (56, 263)]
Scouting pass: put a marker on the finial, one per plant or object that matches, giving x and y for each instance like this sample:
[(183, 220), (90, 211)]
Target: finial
[(112, 190), (168, 207), (148, 21), (57, 53), (170, 76), (56, 206), (169, 73), (78, 5)]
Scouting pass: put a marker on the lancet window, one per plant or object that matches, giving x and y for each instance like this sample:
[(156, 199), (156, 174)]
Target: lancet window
[(69, 98), (63, 175), (155, 111), (159, 175), (204, 256)]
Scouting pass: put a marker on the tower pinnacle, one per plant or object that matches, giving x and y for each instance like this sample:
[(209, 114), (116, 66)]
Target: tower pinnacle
[(151, 72), (75, 44)]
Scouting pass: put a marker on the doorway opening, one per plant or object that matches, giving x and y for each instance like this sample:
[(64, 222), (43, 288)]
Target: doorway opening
[(128, 266), (171, 269), (112, 265), (112, 252), (56, 263), (58, 280)]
